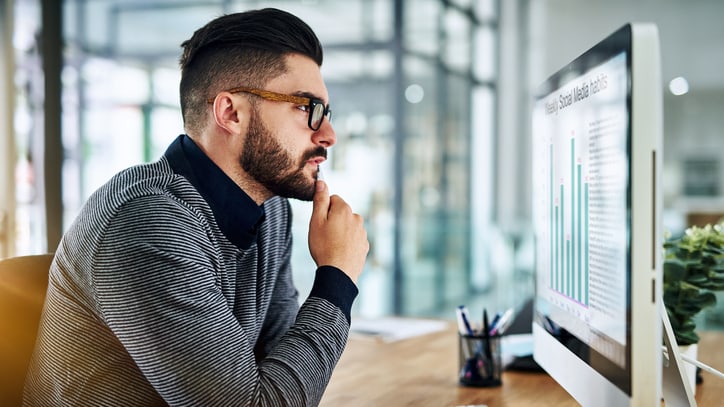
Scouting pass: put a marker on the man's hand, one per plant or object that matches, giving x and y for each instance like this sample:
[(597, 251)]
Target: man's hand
[(337, 236)]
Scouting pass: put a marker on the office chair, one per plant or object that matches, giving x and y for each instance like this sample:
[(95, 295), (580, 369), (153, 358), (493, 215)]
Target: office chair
[(23, 282)]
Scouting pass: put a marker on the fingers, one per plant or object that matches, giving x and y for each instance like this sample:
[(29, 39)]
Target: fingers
[(320, 201), (337, 236)]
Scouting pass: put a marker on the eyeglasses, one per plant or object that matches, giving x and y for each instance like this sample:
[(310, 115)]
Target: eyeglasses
[(316, 109)]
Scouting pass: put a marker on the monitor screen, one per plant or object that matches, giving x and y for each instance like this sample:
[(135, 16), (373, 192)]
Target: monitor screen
[(595, 136)]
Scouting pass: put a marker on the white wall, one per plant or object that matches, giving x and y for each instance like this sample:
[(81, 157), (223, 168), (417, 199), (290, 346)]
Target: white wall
[(7, 149), (690, 31), (692, 46)]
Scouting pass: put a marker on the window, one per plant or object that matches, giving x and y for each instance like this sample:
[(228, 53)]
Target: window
[(413, 110)]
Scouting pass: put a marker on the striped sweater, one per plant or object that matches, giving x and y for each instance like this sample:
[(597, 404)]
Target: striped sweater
[(151, 303)]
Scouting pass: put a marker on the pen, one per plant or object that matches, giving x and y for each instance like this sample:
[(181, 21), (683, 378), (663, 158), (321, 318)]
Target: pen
[(503, 322), (463, 325), (486, 336), (495, 320), (464, 321), (486, 327)]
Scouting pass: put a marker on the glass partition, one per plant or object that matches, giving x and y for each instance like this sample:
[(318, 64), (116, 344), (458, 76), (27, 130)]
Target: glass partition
[(407, 133)]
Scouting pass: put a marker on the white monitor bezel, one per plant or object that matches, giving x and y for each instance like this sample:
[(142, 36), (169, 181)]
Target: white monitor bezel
[(586, 385)]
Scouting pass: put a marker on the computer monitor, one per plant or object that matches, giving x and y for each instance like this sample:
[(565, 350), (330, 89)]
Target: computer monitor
[(596, 143)]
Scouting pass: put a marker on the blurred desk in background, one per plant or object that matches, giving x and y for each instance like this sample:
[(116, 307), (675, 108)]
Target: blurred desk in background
[(422, 371)]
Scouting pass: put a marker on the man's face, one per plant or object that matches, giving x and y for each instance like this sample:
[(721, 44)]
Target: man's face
[(280, 151), (274, 167)]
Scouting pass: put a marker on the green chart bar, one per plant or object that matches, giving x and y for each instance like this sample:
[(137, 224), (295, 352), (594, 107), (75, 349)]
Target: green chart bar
[(585, 286), (569, 254), (572, 281), (554, 271), (555, 282), (564, 273), (581, 281)]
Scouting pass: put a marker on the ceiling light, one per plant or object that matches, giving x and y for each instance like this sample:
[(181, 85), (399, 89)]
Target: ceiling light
[(679, 86)]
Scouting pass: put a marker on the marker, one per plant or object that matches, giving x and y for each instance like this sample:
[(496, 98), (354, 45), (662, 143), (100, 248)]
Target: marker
[(486, 336), (462, 329), (503, 322), (464, 321), (486, 326), (495, 320)]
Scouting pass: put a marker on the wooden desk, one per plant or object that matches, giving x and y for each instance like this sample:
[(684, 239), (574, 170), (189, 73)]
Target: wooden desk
[(422, 372)]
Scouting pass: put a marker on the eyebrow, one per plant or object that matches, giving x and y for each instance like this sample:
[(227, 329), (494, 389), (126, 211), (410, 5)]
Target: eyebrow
[(309, 95)]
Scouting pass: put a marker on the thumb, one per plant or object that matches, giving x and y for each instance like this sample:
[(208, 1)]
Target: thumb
[(320, 200)]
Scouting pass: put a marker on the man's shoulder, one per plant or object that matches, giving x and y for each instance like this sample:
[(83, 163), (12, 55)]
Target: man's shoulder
[(149, 179), (153, 183), (137, 176)]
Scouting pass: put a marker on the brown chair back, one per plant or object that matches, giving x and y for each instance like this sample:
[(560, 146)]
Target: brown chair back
[(23, 282)]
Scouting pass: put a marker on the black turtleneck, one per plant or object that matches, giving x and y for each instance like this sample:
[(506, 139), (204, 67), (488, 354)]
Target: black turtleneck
[(237, 215)]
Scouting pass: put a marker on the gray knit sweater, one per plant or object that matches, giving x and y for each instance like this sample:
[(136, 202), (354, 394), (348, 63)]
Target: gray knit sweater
[(150, 303)]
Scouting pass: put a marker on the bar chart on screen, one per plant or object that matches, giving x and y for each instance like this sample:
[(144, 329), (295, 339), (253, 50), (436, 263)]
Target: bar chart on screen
[(582, 204), (587, 210), (569, 243)]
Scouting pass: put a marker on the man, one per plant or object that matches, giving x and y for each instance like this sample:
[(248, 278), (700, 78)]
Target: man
[(174, 286)]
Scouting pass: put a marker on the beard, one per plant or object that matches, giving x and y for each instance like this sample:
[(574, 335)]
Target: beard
[(266, 160)]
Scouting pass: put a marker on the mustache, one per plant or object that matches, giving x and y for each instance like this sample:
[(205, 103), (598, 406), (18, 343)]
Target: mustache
[(316, 152)]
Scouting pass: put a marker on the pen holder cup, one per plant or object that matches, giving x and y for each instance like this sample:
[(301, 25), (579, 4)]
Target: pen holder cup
[(479, 360)]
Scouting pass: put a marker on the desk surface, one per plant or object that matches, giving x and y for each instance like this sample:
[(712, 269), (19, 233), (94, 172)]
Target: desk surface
[(422, 372)]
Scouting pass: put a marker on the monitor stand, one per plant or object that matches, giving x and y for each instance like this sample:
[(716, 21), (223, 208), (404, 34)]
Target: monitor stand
[(675, 386)]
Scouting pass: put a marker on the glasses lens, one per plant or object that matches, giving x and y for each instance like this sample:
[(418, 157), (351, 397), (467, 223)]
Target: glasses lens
[(315, 120)]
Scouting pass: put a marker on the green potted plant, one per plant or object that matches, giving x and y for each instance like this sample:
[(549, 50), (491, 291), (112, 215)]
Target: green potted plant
[(693, 272)]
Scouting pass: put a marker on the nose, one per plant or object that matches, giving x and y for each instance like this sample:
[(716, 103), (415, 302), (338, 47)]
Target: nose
[(325, 135)]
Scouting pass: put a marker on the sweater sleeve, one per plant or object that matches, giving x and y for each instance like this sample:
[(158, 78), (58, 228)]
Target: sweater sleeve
[(164, 304), (330, 284), (284, 302)]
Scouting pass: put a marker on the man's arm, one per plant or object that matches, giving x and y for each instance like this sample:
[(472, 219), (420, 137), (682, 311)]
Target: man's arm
[(164, 304), (337, 236)]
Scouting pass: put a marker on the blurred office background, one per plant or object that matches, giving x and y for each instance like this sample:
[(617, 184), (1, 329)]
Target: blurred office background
[(431, 104)]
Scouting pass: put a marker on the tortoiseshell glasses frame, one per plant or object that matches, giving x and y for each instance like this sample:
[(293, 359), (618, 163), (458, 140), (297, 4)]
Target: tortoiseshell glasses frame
[(316, 109)]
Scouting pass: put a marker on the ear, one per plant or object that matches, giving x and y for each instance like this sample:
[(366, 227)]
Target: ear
[(230, 113)]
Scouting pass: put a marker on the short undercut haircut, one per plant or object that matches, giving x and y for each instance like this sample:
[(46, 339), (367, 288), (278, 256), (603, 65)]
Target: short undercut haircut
[(241, 49)]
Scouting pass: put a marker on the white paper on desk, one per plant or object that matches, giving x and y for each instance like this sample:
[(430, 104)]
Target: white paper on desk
[(391, 329), (515, 345)]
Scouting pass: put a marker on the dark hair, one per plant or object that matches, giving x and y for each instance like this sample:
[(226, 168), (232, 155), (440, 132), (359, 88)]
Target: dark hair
[(241, 49)]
